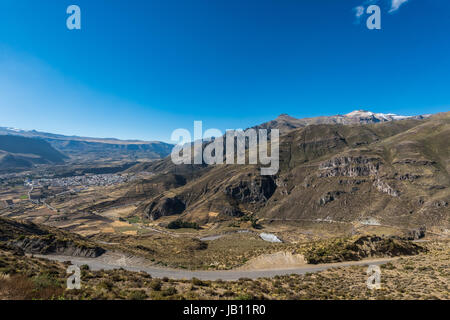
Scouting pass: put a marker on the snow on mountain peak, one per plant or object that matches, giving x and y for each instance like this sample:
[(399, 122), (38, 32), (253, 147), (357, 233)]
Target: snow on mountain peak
[(359, 113), (14, 129), (380, 116)]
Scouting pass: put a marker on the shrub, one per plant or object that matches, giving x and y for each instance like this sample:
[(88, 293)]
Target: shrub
[(178, 224), (197, 282), (244, 279), (228, 293), (256, 225), (137, 295), (20, 287), (107, 285), (245, 297), (169, 291), (388, 266), (45, 280), (156, 285)]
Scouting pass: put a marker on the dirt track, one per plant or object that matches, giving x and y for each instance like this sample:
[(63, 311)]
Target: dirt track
[(110, 261)]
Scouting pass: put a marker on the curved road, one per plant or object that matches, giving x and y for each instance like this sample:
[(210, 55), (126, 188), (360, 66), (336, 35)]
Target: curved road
[(229, 275)]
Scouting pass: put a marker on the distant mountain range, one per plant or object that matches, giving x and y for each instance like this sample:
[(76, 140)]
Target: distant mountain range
[(94, 149), (19, 153), (285, 123), (47, 148)]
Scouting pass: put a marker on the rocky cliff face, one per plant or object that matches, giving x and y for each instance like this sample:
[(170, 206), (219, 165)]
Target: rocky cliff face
[(164, 207), (253, 191), (349, 166), (361, 248), (400, 180), (384, 187), (215, 197), (52, 245), (28, 237)]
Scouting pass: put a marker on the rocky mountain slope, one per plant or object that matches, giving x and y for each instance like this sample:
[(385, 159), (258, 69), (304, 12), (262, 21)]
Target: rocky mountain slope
[(392, 173), (27, 237)]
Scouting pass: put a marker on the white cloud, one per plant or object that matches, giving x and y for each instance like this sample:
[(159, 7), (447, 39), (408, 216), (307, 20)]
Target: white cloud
[(396, 5)]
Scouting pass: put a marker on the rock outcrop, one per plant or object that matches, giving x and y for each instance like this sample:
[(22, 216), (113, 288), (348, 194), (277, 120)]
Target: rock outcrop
[(329, 196), (231, 211), (416, 234), (252, 191), (361, 248), (26, 237), (164, 207), (385, 188), (349, 166), (52, 245)]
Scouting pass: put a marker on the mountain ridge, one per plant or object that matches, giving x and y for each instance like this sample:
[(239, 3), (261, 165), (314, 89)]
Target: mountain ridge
[(392, 173), (18, 152), (93, 149), (286, 123)]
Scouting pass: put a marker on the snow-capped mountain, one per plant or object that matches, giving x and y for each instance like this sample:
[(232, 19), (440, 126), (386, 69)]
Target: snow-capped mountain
[(363, 114), (285, 123)]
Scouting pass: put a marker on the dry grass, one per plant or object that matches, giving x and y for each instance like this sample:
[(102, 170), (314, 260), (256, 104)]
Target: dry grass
[(21, 287), (425, 276)]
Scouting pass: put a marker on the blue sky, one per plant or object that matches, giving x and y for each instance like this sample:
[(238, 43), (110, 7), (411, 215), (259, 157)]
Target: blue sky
[(140, 69)]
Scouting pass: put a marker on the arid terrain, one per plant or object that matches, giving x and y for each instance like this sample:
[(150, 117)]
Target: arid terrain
[(352, 190), (424, 276)]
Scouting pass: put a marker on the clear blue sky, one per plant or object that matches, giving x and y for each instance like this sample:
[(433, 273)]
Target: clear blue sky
[(140, 69)]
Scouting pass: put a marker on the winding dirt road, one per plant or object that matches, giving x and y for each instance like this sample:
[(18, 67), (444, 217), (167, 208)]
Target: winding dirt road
[(110, 261)]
